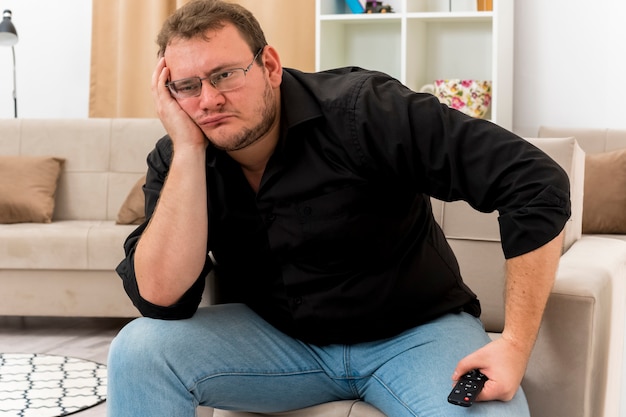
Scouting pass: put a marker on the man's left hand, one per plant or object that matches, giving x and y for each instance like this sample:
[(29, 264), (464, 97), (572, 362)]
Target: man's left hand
[(503, 362)]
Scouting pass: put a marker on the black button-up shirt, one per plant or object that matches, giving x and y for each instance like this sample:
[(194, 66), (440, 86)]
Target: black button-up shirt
[(339, 245)]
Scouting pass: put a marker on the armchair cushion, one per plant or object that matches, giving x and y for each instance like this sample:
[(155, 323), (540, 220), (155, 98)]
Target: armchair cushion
[(604, 209), (347, 408)]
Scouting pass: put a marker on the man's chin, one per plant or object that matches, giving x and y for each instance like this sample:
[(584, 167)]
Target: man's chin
[(217, 138), (228, 144), (218, 145)]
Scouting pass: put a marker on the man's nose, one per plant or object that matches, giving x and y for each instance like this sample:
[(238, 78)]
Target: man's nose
[(211, 96)]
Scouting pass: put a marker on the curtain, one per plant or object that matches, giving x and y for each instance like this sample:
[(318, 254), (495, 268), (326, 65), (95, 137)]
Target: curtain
[(123, 55), (124, 47), (289, 26)]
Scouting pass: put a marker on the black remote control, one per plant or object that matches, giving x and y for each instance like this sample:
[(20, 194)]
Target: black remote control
[(467, 388)]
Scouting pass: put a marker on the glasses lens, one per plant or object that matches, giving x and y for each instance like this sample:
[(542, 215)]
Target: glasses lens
[(188, 87), (228, 80)]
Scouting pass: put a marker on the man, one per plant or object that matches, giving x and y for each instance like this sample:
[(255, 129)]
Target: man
[(309, 196)]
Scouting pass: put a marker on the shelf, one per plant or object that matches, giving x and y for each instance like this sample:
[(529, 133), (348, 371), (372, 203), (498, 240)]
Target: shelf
[(430, 16), (347, 40), (452, 16), (419, 44), (346, 17), (447, 49), (333, 7)]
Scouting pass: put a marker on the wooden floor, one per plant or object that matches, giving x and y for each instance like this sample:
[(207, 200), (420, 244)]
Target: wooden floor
[(84, 338)]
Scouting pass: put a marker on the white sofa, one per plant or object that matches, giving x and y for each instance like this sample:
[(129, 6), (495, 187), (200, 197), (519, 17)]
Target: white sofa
[(66, 267)]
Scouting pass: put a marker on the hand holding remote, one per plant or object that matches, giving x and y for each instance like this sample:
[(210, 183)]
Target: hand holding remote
[(467, 388)]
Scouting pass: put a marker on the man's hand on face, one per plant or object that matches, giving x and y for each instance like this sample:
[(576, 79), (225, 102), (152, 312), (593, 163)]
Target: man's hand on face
[(178, 124)]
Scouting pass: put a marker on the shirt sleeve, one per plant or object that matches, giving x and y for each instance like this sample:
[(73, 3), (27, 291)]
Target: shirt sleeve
[(158, 166), (411, 137)]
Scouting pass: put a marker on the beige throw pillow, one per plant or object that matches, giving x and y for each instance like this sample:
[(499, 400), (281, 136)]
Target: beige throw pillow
[(133, 208), (604, 204), (27, 188)]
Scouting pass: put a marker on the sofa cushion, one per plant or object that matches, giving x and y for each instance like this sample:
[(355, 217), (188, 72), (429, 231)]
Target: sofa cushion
[(27, 188), (63, 245), (345, 408), (604, 209), (133, 207)]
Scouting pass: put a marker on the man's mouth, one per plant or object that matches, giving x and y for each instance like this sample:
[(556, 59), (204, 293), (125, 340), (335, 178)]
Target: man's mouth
[(213, 120)]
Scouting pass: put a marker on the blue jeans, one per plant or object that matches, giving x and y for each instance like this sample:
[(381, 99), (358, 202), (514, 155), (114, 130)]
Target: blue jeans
[(227, 357)]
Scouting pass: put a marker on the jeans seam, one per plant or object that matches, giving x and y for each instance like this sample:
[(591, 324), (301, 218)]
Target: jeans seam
[(351, 379), (252, 374), (390, 391)]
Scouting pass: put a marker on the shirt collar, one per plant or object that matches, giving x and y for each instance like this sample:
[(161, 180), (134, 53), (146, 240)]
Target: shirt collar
[(298, 104)]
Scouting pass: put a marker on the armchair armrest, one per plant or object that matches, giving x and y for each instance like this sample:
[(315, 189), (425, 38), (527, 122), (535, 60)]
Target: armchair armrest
[(576, 366)]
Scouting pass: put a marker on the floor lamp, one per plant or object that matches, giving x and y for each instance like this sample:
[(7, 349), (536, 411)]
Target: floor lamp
[(8, 37)]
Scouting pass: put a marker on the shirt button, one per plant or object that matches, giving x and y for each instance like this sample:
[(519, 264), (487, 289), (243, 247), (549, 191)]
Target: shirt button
[(307, 211), (297, 301), (271, 217)]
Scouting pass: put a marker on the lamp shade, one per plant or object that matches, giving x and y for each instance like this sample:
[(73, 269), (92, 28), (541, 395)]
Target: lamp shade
[(8, 34)]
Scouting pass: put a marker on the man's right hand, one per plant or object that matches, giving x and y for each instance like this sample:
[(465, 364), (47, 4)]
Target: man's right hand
[(171, 252), (178, 124)]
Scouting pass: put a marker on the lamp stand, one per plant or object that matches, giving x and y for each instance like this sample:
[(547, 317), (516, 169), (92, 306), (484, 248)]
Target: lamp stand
[(14, 84)]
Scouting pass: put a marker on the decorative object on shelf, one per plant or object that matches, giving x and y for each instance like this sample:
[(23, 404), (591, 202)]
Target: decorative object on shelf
[(8, 37), (375, 6), (472, 97), (484, 5), (355, 6)]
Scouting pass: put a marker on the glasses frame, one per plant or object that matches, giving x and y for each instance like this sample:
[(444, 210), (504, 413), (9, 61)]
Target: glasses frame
[(212, 79)]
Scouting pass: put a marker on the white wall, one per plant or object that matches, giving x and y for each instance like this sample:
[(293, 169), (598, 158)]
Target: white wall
[(570, 62), (52, 59)]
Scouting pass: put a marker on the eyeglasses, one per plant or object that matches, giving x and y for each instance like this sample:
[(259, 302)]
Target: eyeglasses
[(227, 80)]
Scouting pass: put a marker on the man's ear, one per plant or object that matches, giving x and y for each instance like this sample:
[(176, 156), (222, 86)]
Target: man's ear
[(272, 64)]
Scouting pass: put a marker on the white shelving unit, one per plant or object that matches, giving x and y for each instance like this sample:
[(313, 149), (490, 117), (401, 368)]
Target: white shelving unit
[(423, 41)]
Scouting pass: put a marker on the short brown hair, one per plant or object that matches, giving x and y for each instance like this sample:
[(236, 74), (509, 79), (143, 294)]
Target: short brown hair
[(196, 17)]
